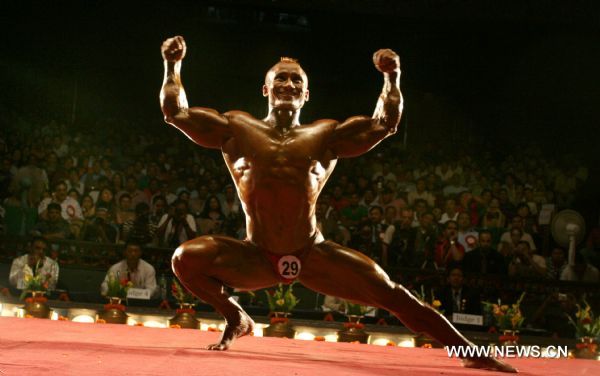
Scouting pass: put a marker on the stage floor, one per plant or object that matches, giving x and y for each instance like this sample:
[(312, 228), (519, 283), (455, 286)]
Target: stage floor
[(35, 347)]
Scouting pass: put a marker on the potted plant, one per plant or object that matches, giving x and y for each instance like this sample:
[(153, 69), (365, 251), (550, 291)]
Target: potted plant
[(353, 329), (185, 316), (37, 284), (281, 303), (114, 311), (508, 319), (587, 329)]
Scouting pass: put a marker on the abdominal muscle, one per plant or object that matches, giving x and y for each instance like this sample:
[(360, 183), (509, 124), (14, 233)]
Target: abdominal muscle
[(280, 208)]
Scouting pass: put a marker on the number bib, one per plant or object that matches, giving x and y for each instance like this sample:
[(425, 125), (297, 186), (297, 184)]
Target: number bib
[(289, 267)]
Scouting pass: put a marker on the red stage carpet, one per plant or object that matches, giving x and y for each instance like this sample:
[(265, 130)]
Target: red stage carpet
[(36, 347)]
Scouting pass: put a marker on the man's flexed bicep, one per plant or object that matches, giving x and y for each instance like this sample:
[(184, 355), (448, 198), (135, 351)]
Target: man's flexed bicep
[(204, 126), (359, 134)]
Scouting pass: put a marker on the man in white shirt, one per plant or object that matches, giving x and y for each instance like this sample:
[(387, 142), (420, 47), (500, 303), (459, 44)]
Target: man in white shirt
[(70, 207), (526, 263), (467, 236), (177, 228), (34, 263), (134, 269)]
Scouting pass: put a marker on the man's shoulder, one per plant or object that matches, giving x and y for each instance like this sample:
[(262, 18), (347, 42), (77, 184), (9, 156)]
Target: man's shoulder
[(146, 265)]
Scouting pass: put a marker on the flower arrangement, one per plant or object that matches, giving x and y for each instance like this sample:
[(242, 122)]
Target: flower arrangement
[(117, 287), (36, 282), (586, 325), (433, 302), (282, 300), (507, 317), (181, 294), (353, 309)]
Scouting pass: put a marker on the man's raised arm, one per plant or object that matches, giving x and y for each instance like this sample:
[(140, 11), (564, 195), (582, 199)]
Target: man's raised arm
[(359, 134), (204, 126)]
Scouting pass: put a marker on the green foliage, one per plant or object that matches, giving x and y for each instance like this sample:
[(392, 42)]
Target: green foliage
[(117, 287), (181, 294), (506, 317), (35, 282), (586, 325), (353, 309), (282, 299)]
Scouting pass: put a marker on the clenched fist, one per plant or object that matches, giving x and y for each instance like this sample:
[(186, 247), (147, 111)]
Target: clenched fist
[(386, 61), (173, 49)]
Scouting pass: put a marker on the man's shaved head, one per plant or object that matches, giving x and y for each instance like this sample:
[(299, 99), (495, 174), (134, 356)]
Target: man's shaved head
[(285, 60)]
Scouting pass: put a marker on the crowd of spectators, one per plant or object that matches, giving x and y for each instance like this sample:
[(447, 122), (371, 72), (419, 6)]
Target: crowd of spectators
[(438, 207), (427, 208)]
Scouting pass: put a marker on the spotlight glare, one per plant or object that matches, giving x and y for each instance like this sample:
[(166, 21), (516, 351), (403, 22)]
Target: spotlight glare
[(87, 319), (305, 336)]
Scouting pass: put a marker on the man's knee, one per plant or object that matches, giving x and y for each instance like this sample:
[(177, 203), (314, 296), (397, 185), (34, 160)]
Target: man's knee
[(192, 255)]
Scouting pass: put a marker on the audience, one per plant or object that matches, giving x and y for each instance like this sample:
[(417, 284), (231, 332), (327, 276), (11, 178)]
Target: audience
[(428, 208)]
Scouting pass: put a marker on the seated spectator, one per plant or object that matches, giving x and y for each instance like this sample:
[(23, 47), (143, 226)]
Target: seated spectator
[(581, 271), (526, 263), (456, 297), (448, 250), (467, 236), (354, 213), (450, 211), (106, 200), (484, 259), (54, 226), (99, 229), (454, 187), (177, 228), (34, 263), (420, 207), (425, 238), (139, 229), (402, 243), (556, 263), (211, 218), (136, 270), (70, 209), (230, 202), (517, 223), (493, 219), (420, 192), (87, 207), (551, 315), (125, 211), (591, 252)]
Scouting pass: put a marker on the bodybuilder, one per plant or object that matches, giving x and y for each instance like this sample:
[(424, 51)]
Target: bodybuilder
[(279, 167)]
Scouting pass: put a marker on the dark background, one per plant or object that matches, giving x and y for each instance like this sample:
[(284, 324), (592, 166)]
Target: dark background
[(517, 73)]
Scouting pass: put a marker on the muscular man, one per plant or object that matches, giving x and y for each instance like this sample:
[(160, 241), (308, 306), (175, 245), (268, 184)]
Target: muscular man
[(279, 167)]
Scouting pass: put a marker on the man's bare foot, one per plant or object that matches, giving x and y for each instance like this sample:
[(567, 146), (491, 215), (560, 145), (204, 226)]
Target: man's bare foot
[(491, 364), (236, 327)]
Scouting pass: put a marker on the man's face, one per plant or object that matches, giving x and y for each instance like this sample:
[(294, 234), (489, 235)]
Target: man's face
[(60, 192), (54, 215), (375, 216), (132, 254), (464, 221), (485, 240), (37, 251), (517, 222), (451, 229), (406, 218), (286, 86), (456, 278)]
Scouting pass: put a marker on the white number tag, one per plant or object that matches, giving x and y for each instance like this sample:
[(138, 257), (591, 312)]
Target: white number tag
[(134, 293), (289, 267)]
